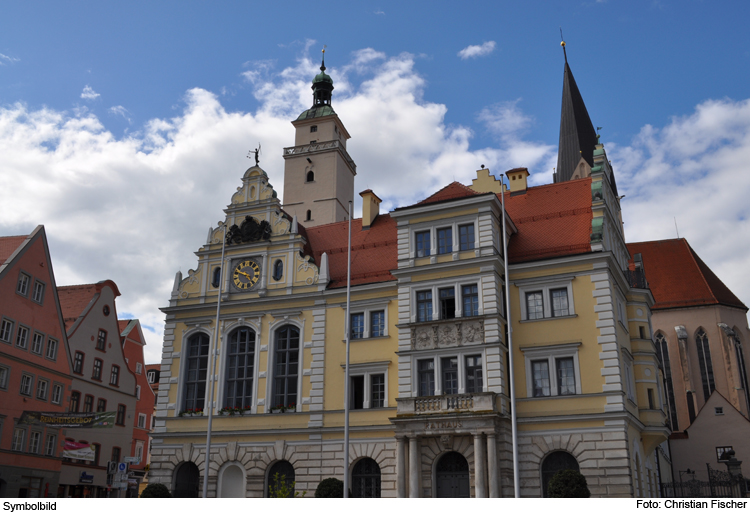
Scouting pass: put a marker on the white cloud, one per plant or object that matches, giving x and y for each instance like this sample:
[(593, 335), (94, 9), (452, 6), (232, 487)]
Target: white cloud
[(477, 50), (89, 94), (121, 111), (5, 59)]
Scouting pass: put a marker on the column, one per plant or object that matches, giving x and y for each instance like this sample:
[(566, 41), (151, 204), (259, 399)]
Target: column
[(401, 466), (492, 466), (414, 460), (480, 467)]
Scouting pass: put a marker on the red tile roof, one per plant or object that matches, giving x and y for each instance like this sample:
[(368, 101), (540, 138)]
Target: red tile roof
[(553, 220), (677, 277), (452, 191), (74, 299), (374, 251), (8, 245)]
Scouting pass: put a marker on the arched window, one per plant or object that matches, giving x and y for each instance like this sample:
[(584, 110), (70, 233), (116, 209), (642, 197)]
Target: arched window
[(555, 462), (280, 477), (216, 278), (366, 479), (232, 483), (308, 217), (310, 176), (704, 361), (285, 367), (195, 372), (278, 270), (661, 347), (742, 369), (240, 368), (186, 481)]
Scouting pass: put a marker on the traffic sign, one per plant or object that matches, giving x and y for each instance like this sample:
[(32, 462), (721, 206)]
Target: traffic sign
[(131, 460), (122, 466)]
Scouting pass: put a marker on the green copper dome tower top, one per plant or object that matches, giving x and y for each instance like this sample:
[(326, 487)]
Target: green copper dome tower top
[(322, 87)]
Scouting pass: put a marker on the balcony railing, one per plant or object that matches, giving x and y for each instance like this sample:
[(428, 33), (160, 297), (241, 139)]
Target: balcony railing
[(454, 403), (447, 333), (305, 149)]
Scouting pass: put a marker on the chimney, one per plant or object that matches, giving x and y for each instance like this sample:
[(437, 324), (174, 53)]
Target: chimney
[(370, 208), (517, 178)]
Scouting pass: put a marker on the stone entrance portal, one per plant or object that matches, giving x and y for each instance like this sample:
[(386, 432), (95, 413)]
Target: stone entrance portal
[(452, 476)]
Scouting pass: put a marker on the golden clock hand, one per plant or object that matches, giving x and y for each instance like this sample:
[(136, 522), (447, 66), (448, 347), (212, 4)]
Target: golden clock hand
[(248, 276)]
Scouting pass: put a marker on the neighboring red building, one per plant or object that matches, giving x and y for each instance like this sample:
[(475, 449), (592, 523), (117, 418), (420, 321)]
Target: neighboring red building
[(132, 340), (35, 374)]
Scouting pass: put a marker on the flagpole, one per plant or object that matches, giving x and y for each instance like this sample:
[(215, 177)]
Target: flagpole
[(212, 365), (514, 423), (346, 373)]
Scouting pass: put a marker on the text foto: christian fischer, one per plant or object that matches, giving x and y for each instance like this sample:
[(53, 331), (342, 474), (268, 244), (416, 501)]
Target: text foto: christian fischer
[(691, 503)]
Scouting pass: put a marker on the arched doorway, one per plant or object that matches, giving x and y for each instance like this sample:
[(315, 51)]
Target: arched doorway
[(452, 476), (280, 477), (555, 462), (366, 479), (232, 483), (186, 481)]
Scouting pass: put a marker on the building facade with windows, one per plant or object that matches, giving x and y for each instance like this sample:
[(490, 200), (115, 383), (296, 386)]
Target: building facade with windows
[(429, 374), (34, 368), (101, 382)]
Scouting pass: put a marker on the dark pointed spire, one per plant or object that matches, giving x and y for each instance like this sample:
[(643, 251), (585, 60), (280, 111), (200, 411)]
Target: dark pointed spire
[(577, 134)]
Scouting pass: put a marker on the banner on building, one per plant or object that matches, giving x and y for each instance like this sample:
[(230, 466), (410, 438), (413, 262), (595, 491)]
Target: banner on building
[(97, 420), (78, 450)]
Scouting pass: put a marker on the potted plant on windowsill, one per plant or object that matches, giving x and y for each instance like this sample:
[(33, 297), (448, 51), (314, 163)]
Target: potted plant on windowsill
[(281, 408), (191, 412)]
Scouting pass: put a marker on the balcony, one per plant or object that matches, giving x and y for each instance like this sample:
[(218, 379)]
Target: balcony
[(306, 149), (445, 334), (446, 404)]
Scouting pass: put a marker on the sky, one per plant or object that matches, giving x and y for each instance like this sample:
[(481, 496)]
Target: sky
[(125, 127)]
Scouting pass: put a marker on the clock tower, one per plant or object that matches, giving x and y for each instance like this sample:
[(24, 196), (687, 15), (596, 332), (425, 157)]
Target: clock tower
[(318, 171)]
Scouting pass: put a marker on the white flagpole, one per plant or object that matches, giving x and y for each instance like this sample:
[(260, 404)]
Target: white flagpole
[(211, 366), (514, 424), (346, 374)]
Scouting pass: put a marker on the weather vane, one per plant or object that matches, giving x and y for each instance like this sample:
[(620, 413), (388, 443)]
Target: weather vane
[(256, 152), (563, 46)]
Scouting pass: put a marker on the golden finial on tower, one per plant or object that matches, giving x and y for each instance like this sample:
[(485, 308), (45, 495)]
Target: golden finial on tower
[(323, 61), (562, 44)]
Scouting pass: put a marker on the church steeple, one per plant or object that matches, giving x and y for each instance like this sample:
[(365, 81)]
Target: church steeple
[(322, 86), (577, 135)]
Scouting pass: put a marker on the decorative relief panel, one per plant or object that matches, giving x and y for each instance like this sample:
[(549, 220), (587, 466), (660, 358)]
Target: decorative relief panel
[(447, 334)]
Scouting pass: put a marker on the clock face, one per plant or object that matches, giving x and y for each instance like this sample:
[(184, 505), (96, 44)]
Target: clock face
[(246, 274)]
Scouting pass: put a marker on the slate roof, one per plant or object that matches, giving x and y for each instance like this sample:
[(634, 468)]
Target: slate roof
[(679, 278), (8, 245)]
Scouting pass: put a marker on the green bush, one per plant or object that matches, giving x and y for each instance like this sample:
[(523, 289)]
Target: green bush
[(279, 488), (568, 483), (156, 491), (330, 489)]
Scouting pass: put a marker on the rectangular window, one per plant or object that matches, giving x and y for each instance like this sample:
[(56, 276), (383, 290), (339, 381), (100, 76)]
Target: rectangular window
[(534, 305), (721, 453), (424, 305), (22, 337), (116, 454), (449, 375), (466, 237), (357, 392), (114, 377), (75, 401), (88, 404), (4, 374), (470, 298), (38, 295), (650, 394), (101, 405), (540, 377), (23, 284), (474, 382), (41, 389), (566, 377), (78, 363), (30, 488), (447, 303), (313, 129), (377, 323), (559, 298), (37, 343), (445, 240), (151, 376), (120, 418), (426, 375), (6, 330), (101, 340), (423, 244), (57, 390), (35, 442), (141, 420), (377, 383), (138, 368), (51, 349), (139, 452), (137, 392), (19, 438), (97, 374), (26, 383), (50, 445), (357, 326)]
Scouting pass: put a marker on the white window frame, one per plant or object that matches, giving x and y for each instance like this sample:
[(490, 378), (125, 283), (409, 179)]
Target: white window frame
[(19, 439), (42, 389), (137, 392), (151, 376), (51, 352), (457, 294), (24, 282), (56, 394), (37, 337), (4, 376), (628, 374), (7, 330), (368, 370), (35, 442), (50, 445), (22, 329), (622, 312), (432, 228), (551, 354), (437, 355), (367, 309), (38, 287), (545, 286), (26, 388), (138, 368), (142, 420)]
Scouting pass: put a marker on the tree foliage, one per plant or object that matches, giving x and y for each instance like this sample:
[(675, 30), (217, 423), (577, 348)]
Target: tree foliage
[(568, 483), (281, 489), (330, 489), (156, 491)]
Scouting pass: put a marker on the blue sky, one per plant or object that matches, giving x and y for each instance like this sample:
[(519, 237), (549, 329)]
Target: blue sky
[(124, 126)]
